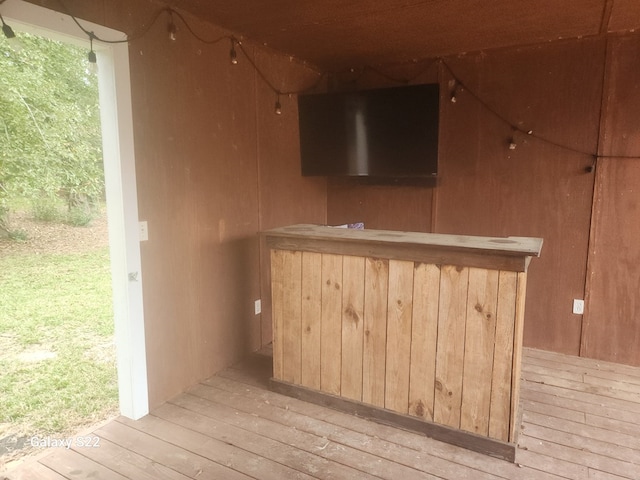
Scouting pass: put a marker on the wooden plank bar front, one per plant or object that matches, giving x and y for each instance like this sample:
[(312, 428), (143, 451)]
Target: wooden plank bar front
[(421, 330)]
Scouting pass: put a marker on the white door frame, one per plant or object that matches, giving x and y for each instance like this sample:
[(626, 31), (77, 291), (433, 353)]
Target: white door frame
[(120, 183)]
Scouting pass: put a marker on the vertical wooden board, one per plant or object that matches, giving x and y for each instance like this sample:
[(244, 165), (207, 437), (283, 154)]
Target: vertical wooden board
[(517, 354), (331, 329), (352, 327), (399, 311), (454, 284), (499, 417), (278, 285), (479, 344), (375, 331), (292, 317), (611, 328), (424, 336), (311, 318)]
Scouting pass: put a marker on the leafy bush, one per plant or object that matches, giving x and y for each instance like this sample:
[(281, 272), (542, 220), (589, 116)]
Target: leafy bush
[(79, 216), (45, 209)]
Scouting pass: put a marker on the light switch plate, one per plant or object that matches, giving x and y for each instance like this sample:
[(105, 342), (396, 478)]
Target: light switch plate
[(144, 231)]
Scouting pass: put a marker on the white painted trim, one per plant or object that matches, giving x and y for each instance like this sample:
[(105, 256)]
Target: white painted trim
[(120, 178)]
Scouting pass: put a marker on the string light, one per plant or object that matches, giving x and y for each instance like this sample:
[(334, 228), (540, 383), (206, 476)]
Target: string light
[(92, 57), (278, 106), (7, 30), (171, 28), (13, 40), (458, 85), (454, 93), (232, 53)]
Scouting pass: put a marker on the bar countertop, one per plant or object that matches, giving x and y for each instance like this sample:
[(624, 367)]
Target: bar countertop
[(511, 253)]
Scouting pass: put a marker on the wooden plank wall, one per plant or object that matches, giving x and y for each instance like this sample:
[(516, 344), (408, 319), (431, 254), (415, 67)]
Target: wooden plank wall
[(612, 317), (484, 188), (434, 342)]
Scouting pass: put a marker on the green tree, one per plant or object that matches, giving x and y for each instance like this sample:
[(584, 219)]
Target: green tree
[(49, 123)]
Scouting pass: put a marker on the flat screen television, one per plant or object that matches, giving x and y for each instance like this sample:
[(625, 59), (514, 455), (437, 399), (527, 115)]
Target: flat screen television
[(381, 133)]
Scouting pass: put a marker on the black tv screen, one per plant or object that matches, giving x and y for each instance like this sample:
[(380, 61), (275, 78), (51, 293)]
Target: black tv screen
[(384, 133)]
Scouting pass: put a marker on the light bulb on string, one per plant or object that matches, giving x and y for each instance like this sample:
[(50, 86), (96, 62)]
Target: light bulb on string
[(171, 28), (7, 30), (512, 141), (10, 35), (233, 56), (278, 106), (92, 57), (454, 93)]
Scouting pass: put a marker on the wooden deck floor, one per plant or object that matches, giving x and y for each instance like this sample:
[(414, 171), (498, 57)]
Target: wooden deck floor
[(581, 420)]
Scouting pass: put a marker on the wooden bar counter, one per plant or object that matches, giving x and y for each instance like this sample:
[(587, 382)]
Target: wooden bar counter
[(419, 330)]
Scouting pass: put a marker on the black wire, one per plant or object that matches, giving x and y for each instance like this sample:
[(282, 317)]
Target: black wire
[(134, 36), (528, 133), (258, 71), (504, 119), (139, 34), (195, 35), (171, 12), (268, 82)]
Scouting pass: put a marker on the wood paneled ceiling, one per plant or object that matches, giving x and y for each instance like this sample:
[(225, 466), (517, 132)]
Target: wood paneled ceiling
[(339, 34)]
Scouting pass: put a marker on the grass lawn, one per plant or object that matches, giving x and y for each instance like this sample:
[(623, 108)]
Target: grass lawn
[(57, 359)]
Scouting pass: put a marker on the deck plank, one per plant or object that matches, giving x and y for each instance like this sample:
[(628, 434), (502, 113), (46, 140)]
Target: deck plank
[(563, 468), (382, 439), (172, 456), (340, 434), (571, 448), (553, 411), (36, 471), (580, 421), (623, 399), (601, 366), (219, 451), (557, 397), (327, 457), (628, 445), (130, 464), (72, 464)]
